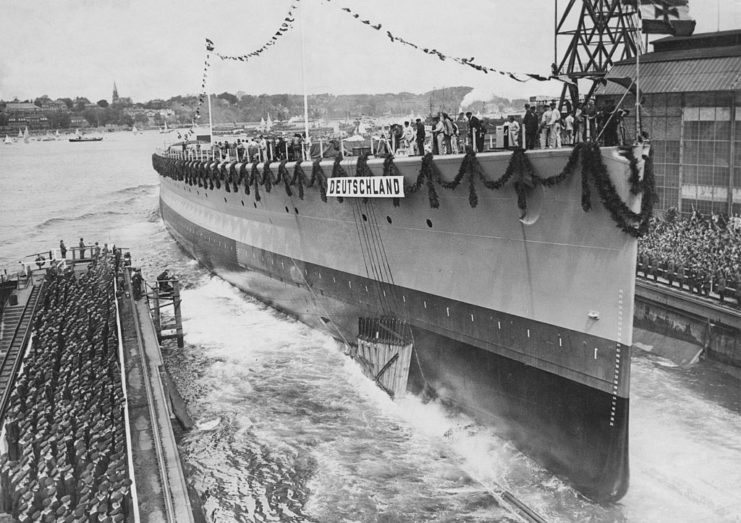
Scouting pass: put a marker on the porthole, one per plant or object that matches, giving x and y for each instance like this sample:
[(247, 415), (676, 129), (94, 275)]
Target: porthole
[(429, 222), (296, 209), (287, 210), (255, 204), (242, 203), (388, 219), (365, 218), (224, 200)]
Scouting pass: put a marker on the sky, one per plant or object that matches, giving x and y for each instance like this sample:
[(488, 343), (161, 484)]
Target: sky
[(155, 48)]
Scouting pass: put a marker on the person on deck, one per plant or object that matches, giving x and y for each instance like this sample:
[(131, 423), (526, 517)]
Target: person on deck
[(474, 129), (420, 137), (545, 118), (448, 133), (530, 122), (62, 249), (554, 127), (438, 144), (568, 133), (514, 133), (82, 249), (407, 136)]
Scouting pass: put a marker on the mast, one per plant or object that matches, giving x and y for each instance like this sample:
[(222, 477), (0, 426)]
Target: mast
[(638, 94), (303, 81), (210, 120)]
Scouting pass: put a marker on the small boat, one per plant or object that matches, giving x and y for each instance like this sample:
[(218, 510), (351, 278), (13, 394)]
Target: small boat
[(26, 137), (134, 130), (164, 129), (56, 135), (8, 140), (47, 137)]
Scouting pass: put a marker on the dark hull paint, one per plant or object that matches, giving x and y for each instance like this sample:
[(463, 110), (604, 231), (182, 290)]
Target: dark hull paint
[(577, 431)]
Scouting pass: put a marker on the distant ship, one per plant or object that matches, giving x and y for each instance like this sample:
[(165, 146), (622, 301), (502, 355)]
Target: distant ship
[(79, 137), (86, 139), (521, 321)]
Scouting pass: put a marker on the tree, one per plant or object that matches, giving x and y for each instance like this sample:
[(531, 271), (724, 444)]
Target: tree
[(141, 118), (80, 104), (103, 103), (228, 97), (67, 101), (41, 100)]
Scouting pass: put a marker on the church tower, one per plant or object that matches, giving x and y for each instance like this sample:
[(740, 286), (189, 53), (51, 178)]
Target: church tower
[(114, 98)]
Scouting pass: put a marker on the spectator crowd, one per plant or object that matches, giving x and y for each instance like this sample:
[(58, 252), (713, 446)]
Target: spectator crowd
[(699, 253), (66, 455)]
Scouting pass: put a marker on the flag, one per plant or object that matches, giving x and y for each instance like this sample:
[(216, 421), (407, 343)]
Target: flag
[(664, 16)]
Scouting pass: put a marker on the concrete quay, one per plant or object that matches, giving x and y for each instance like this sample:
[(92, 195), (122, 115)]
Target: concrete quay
[(161, 488)]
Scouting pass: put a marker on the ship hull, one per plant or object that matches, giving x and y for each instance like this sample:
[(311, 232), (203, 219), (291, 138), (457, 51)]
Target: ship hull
[(559, 393)]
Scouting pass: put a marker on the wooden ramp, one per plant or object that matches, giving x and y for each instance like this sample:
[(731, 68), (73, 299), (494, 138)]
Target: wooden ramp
[(385, 351), (15, 331)]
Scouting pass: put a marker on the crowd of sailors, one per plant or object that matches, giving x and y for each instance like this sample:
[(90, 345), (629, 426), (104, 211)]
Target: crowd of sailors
[(64, 428), (538, 127), (701, 254)]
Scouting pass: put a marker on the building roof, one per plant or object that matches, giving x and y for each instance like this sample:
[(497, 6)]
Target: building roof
[(21, 106), (697, 41), (699, 63), (683, 76)]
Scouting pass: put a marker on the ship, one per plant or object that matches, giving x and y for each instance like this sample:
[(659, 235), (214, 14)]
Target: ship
[(519, 303)]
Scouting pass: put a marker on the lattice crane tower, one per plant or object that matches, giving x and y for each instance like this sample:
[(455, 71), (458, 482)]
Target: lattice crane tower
[(597, 33)]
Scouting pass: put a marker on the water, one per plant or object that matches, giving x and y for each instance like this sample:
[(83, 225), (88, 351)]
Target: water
[(288, 428)]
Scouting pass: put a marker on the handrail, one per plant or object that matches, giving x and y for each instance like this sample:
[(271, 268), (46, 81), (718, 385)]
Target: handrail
[(685, 280)]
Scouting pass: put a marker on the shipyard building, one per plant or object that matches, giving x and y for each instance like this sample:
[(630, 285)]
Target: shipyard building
[(691, 109)]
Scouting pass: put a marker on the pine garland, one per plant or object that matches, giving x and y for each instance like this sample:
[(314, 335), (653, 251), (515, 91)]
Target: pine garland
[(267, 176), (390, 169), (338, 171), (519, 170), (317, 174), (255, 180), (429, 173), (299, 178), (283, 173), (362, 169), (567, 171), (635, 180)]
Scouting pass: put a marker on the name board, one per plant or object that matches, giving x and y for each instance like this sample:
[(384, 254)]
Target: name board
[(366, 187)]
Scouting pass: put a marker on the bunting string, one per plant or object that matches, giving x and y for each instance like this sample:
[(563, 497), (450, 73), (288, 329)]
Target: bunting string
[(284, 27), (468, 62)]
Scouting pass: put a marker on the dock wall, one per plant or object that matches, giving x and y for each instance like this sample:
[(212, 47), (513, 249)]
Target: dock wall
[(687, 320)]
